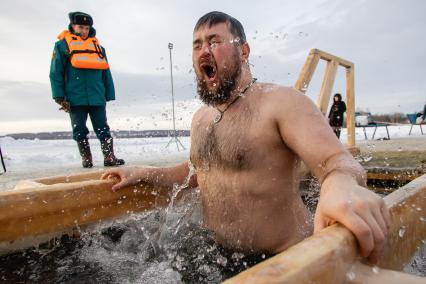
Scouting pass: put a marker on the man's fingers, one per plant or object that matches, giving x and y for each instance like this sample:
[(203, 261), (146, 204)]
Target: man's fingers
[(378, 234), (116, 187), (108, 175), (378, 216), (362, 232), (120, 185), (111, 174), (386, 215), (319, 223)]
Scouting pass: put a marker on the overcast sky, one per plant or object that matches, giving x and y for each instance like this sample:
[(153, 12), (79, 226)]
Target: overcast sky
[(385, 40)]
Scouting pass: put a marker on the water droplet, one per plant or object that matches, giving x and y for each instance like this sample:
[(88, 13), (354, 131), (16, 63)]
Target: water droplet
[(222, 260), (350, 275), (376, 269), (401, 231), (368, 158)]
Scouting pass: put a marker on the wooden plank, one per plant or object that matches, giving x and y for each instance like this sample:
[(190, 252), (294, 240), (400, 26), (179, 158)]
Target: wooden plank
[(308, 70), (364, 274), (322, 258), (27, 184), (327, 86), (91, 175), (327, 256), (392, 176), (329, 57), (59, 207), (350, 105), (408, 229)]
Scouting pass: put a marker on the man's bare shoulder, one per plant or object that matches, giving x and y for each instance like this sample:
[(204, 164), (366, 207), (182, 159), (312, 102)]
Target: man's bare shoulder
[(278, 96)]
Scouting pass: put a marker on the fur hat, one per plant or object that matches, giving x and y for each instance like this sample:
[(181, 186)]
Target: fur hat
[(80, 18)]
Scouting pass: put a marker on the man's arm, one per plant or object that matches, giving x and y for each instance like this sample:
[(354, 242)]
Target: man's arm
[(161, 177), (343, 198), (108, 82), (57, 72)]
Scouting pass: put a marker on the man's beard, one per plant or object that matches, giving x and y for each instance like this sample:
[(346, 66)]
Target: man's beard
[(226, 83)]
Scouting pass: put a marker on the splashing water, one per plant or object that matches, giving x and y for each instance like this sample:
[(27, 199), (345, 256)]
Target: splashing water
[(401, 232), (160, 246), (128, 250), (350, 275)]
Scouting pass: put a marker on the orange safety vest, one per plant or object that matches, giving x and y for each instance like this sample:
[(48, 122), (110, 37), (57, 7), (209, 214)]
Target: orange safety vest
[(85, 54)]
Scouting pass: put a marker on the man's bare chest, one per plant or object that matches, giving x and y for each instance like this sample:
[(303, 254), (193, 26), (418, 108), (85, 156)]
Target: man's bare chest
[(231, 143)]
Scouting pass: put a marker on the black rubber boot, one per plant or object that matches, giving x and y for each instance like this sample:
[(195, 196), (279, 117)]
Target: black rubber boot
[(110, 159), (86, 155)]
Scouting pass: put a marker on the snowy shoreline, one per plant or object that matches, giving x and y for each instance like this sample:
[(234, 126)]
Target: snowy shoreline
[(29, 159)]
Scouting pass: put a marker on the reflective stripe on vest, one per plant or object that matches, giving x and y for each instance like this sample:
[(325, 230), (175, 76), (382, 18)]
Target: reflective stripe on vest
[(85, 54)]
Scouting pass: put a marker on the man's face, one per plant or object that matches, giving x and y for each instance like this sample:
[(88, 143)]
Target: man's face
[(83, 30), (216, 57)]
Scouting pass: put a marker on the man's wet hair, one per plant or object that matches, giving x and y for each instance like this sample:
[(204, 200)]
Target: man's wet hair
[(215, 17)]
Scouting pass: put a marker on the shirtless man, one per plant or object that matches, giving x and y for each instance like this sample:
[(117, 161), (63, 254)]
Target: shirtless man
[(246, 146)]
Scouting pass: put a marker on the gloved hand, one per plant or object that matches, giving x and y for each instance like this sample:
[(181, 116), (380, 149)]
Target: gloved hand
[(65, 106)]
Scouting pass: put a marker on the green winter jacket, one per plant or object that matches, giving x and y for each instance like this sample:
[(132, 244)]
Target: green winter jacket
[(80, 87)]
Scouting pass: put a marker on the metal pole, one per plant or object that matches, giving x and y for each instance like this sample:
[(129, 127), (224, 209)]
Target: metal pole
[(173, 96), (174, 136)]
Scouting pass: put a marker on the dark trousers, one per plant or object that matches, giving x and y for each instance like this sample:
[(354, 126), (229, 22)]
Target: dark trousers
[(78, 115), (337, 130)]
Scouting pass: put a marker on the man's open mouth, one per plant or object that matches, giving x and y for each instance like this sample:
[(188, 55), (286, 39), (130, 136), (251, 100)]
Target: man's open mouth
[(209, 71)]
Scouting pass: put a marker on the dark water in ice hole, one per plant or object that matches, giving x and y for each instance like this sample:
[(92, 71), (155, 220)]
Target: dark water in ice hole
[(160, 246)]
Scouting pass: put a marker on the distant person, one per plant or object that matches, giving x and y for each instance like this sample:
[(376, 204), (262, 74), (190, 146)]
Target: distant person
[(423, 115), (82, 84), (335, 117), (246, 145)]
